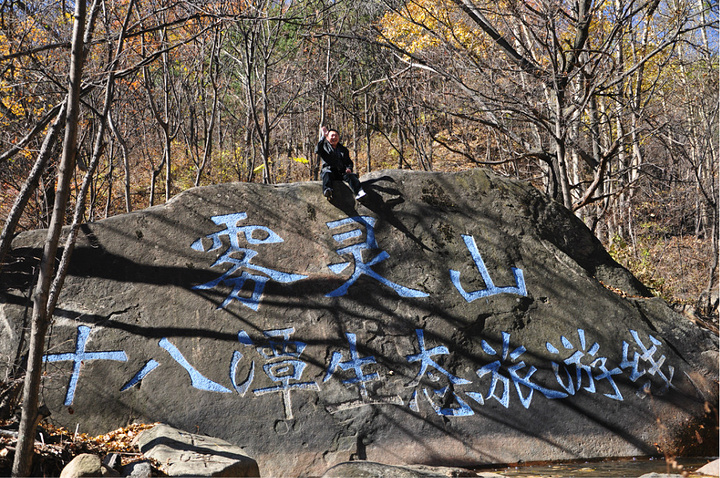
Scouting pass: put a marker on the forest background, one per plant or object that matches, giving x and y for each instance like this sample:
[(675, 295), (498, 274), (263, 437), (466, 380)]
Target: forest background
[(608, 106)]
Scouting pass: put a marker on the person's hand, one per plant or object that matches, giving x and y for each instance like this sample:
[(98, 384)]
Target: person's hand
[(348, 170), (324, 130)]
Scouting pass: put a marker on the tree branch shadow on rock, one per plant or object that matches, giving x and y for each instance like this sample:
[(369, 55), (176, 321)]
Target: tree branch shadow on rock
[(375, 201)]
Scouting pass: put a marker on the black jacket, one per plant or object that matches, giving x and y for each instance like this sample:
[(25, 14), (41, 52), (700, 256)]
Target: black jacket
[(335, 160)]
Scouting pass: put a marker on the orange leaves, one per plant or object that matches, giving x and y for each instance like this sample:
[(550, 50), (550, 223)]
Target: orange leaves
[(120, 440)]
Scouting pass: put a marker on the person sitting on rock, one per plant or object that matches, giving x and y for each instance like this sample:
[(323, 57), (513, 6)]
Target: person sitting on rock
[(337, 164)]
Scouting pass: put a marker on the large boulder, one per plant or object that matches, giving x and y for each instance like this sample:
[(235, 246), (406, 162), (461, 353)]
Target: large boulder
[(447, 320)]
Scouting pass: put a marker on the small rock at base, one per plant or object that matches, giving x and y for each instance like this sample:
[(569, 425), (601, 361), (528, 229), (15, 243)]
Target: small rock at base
[(138, 469), (86, 464), (187, 454), (711, 469)]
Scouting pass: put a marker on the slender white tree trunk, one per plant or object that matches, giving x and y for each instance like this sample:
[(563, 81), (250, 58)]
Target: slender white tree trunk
[(22, 464)]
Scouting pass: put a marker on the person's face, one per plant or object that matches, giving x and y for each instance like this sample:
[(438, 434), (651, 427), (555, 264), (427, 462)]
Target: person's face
[(333, 138)]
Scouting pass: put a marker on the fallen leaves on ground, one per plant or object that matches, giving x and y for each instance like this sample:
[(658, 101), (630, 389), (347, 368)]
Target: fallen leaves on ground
[(55, 447)]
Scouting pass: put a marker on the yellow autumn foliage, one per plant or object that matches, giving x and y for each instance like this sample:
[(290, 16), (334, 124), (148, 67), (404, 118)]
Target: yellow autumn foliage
[(542, 31), (424, 24), (19, 98)]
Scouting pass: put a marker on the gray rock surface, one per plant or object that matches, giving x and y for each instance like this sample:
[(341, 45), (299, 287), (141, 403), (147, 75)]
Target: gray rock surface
[(86, 465), (137, 469), (711, 469), (661, 475), (187, 454), (447, 320), (367, 469)]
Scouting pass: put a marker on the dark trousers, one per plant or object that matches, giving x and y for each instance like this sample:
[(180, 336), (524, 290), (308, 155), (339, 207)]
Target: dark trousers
[(350, 178)]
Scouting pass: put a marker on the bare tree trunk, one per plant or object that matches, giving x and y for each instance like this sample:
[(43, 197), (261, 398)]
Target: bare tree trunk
[(400, 134), (163, 120), (265, 129), (97, 152), (110, 179), (210, 129), (22, 464), (367, 131), (126, 162), (315, 160), (166, 123), (561, 157)]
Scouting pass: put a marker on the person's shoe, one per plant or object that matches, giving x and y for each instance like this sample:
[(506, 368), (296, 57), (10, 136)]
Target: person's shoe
[(328, 194), (361, 194)]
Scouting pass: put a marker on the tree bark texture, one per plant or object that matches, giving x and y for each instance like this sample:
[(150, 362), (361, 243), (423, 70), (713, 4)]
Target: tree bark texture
[(22, 464)]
